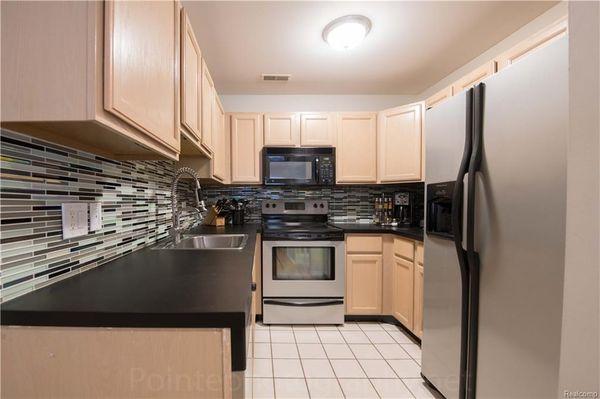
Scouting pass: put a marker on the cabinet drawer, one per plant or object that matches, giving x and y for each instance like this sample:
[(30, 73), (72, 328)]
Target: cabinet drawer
[(404, 248), (364, 243), (419, 253)]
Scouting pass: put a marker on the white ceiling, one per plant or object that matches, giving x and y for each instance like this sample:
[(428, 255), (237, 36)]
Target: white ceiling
[(411, 46)]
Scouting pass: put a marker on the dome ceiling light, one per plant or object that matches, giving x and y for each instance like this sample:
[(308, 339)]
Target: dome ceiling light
[(346, 32)]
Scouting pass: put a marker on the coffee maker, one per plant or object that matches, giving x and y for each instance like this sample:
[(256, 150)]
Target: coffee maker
[(404, 202)]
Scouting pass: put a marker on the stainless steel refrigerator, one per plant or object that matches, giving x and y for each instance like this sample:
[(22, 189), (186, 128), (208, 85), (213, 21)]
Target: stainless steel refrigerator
[(495, 232)]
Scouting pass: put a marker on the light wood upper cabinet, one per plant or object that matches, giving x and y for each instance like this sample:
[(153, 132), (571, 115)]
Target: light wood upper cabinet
[(69, 75), (356, 160), (474, 77), (208, 94), (191, 82), (282, 129), (142, 87), (418, 292), (439, 97), (317, 129), (364, 284), (403, 275), (537, 41), (399, 140), (220, 154), (246, 145)]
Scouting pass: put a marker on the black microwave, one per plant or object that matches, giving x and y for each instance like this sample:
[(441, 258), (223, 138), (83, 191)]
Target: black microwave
[(299, 166)]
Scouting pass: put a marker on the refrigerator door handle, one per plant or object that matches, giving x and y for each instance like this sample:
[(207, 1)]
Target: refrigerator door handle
[(472, 255), (456, 219)]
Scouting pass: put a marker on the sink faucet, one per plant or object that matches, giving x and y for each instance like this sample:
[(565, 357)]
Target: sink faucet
[(200, 207)]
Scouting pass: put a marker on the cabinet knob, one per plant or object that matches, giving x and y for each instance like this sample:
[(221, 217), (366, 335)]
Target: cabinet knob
[(253, 286)]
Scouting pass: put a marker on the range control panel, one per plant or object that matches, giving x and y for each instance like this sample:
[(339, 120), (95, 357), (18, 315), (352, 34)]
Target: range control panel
[(295, 207)]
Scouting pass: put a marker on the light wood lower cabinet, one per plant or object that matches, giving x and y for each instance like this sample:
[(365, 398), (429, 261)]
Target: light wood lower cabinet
[(418, 301), (96, 362), (246, 146), (364, 284), (356, 155), (69, 75), (403, 291)]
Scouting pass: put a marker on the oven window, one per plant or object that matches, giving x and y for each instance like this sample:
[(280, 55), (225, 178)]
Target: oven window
[(303, 263), (296, 170)]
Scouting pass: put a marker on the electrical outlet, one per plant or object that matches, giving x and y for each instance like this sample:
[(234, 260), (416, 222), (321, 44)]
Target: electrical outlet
[(74, 220), (95, 216)]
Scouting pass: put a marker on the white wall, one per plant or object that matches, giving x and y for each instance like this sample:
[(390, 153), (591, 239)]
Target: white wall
[(324, 103), (524, 32), (579, 347)]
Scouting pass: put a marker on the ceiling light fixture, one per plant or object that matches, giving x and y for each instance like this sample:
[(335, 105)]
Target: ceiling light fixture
[(346, 32)]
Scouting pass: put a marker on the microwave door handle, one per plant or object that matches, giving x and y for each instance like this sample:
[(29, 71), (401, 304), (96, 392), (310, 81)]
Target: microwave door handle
[(316, 174)]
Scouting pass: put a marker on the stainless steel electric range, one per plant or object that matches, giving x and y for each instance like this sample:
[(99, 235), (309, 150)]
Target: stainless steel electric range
[(303, 264)]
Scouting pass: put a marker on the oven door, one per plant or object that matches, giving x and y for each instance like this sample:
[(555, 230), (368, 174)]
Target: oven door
[(303, 269), (290, 169)]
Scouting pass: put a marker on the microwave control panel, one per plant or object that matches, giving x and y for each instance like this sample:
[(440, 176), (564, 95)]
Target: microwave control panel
[(326, 170)]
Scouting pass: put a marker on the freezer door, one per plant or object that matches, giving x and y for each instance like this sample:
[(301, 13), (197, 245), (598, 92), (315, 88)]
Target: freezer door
[(520, 226), (445, 133)]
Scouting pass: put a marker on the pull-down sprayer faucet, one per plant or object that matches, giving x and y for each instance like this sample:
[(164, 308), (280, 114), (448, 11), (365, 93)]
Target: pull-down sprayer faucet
[(200, 206)]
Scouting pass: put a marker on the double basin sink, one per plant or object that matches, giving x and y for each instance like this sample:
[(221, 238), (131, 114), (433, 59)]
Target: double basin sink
[(207, 242)]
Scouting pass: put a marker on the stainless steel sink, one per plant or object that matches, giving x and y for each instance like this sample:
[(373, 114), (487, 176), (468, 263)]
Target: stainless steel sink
[(208, 241)]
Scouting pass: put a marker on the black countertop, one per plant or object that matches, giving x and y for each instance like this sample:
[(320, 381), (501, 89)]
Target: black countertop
[(152, 288), (415, 233)]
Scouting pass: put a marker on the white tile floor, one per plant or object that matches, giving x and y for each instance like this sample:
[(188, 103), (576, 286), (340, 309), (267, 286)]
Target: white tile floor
[(356, 360)]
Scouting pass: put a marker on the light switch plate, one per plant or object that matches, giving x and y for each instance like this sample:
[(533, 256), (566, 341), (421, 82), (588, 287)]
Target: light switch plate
[(95, 216), (74, 219)]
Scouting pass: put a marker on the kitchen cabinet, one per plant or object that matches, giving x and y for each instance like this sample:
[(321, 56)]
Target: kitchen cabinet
[(403, 291), (69, 75), (474, 77), (364, 274), (438, 97), (317, 129), (208, 94), (246, 146), (400, 144), (282, 129), (418, 292), (356, 159), (540, 39), (191, 89), (363, 284), (220, 156)]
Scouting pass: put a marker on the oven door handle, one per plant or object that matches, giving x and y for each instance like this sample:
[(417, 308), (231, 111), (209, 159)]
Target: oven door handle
[(326, 302)]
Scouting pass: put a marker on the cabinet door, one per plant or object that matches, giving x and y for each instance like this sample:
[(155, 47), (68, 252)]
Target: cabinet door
[(246, 144), (474, 77), (364, 284), (403, 291), (418, 301), (399, 143), (537, 41), (356, 148), (208, 92), (141, 87), (317, 129), (191, 77), (219, 156), (438, 97), (281, 130)]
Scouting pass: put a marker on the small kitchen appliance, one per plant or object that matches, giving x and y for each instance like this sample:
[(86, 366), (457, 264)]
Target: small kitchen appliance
[(404, 203), (303, 264), (299, 166)]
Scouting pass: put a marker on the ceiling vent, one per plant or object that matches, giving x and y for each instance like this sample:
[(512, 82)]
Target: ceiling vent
[(279, 77)]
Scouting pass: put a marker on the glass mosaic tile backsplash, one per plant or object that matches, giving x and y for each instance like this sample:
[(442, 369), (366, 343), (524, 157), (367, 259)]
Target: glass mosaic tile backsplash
[(38, 176)]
